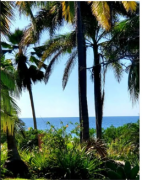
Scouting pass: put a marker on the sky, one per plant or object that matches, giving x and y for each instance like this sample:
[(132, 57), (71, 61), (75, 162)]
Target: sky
[(51, 100)]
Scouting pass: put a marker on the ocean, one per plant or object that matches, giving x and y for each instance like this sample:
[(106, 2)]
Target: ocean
[(116, 121)]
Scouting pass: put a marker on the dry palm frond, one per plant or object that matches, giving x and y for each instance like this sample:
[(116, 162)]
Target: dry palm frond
[(101, 11), (28, 36), (98, 146), (130, 5), (69, 66)]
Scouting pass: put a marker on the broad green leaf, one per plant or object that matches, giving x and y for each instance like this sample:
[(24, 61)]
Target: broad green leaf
[(121, 172), (113, 175), (134, 172), (111, 165), (127, 169)]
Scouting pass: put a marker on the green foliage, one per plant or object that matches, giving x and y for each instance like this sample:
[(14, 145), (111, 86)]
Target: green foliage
[(123, 142), (4, 171), (126, 172), (30, 140), (60, 157), (67, 159)]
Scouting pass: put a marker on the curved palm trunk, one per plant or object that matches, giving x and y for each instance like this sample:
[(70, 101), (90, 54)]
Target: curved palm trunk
[(14, 162), (98, 99), (32, 105), (12, 148), (83, 109)]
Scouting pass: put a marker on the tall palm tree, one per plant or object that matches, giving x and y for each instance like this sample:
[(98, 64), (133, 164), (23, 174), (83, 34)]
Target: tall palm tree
[(25, 75), (84, 120), (54, 12), (102, 11)]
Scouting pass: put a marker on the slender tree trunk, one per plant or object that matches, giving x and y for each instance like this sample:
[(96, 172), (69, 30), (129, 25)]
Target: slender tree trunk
[(33, 109), (97, 92), (12, 148), (80, 116), (82, 75)]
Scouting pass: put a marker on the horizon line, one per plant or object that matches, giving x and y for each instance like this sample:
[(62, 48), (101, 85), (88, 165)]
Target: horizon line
[(78, 117)]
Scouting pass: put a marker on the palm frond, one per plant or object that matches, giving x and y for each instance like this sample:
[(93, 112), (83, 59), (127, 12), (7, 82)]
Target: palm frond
[(7, 9), (25, 8), (7, 79), (101, 11), (9, 110), (69, 66), (35, 74), (15, 37), (28, 36), (118, 70), (50, 66), (130, 5), (68, 10), (6, 45), (37, 62), (65, 42), (133, 82)]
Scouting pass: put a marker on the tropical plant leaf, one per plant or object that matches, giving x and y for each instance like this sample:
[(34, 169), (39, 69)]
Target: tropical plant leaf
[(127, 169), (68, 10), (101, 11), (6, 16), (134, 172), (37, 62), (130, 5), (113, 175), (121, 172), (69, 66), (50, 66)]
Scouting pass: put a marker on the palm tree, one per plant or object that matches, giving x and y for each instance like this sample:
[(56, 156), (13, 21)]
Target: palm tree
[(102, 11), (125, 42), (9, 115), (25, 75), (84, 121)]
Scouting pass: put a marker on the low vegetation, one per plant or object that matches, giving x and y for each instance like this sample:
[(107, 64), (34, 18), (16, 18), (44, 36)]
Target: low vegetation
[(62, 157)]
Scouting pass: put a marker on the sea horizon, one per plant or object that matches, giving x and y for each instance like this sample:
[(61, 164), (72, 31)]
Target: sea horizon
[(107, 121), (76, 116)]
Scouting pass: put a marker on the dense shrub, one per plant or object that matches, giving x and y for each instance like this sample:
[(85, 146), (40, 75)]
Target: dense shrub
[(61, 158)]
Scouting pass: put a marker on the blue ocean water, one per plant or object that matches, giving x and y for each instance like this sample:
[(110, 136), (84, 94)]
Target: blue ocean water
[(116, 121)]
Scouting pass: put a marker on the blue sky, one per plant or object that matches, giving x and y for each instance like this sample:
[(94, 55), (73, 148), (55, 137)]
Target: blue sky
[(51, 101)]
